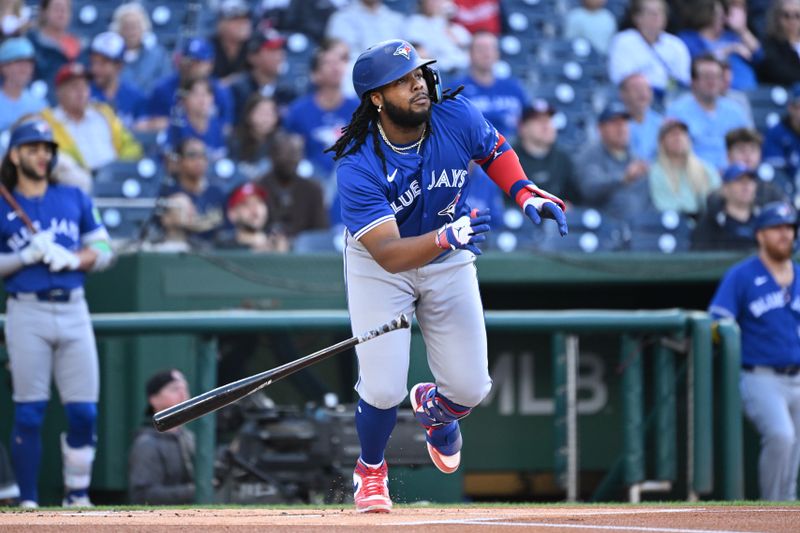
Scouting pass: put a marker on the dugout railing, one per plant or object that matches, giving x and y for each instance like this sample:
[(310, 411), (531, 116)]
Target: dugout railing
[(678, 333)]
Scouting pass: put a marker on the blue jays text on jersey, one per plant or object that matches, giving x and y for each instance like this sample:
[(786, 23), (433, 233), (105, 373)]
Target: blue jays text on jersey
[(421, 192), (768, 314), (67, 212)]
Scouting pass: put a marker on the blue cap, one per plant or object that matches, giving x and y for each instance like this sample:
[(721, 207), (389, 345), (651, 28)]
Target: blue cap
[(109, 44), (737, 170), (614, 109), (776, 214), (198, 49), (16, 49)]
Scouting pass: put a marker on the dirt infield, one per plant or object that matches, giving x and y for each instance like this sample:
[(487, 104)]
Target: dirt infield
[(677, 518)]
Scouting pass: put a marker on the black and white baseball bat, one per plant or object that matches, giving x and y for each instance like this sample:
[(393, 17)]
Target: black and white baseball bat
[(226, 394)]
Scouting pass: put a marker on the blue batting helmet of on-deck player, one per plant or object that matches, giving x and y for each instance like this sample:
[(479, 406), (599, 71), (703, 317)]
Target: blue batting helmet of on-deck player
[(34, 131), (776, 214), (387, 61)]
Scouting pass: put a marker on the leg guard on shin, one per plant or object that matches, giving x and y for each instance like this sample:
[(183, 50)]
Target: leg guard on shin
[(78, 445), (26, 447), (433, 409)]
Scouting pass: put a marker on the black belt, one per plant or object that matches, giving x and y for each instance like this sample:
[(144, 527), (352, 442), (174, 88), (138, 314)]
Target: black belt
[(50, 295), (791, 370)]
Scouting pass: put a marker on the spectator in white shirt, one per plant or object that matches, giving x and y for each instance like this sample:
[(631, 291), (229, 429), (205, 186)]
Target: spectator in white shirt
[(445, 40), (647, 48)]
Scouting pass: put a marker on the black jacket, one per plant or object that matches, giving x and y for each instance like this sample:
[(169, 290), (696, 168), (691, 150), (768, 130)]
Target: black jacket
[(160, 468), (781, 63)]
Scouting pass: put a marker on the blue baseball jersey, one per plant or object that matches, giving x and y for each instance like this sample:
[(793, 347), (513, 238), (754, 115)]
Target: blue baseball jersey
[(421, 192), (501, 102), (319, 127), (66, 211), (768, 315)]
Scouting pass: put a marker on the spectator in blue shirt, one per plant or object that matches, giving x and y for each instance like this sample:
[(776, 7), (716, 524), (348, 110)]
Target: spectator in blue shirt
[(637, 95), (500, 100), (196, 61), (105, 65), (195, 116), (320, 115), (16, 70), (723, 32), (708, 115)]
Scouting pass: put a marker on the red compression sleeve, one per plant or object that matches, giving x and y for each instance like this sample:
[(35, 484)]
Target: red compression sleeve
[(503, 167)]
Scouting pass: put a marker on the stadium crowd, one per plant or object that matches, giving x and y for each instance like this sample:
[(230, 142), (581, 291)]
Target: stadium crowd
[(196, 125)]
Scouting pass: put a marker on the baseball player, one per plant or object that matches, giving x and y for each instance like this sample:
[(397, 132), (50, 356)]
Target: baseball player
[(48, 329), (762, 294), (411, 242)]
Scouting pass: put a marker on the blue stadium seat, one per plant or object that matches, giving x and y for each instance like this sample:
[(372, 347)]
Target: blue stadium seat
[(318, 241), (124, 218), (125, 179), (589, 231), (225, 175), (665, 232)]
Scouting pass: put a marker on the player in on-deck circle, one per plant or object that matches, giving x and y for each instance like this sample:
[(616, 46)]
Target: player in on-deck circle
[(762, 294), (48, 329), (411, 242)]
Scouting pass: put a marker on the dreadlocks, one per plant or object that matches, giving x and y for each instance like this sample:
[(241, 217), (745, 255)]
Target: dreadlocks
[(364, 116)]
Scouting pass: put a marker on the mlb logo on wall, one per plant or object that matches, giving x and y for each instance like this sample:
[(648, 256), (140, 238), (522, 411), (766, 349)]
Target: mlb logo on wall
[(403, 50)]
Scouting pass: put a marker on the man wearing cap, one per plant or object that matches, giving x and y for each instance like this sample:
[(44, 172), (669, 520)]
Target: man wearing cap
[(196, 61), (610, 177), (105, 66), (160, 465), (708, 115), (782, 142), (543, 162), (234, 29), (728, 226), (247, 210), (90, 132), (265, 59), (16, 72), (762, 295), (200, 224)]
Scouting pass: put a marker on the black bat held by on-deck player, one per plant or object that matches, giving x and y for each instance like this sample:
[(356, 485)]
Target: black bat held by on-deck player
[(221, 396)]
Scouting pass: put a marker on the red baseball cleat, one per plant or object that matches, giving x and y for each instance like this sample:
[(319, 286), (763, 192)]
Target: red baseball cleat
[(371, 488)]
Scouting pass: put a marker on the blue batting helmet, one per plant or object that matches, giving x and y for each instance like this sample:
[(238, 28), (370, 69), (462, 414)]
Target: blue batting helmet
[(776, 214), (387, 61), (34, 131)]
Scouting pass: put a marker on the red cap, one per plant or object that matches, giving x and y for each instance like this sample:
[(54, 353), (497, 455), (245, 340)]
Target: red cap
[(242, 192), (69, 71)]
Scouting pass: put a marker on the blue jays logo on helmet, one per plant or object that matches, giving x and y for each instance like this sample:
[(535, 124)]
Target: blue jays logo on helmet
[(776, 214), (33, 131), (385, 62), (403, 50)]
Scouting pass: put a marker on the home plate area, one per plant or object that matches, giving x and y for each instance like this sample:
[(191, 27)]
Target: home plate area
[(428, 519)]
